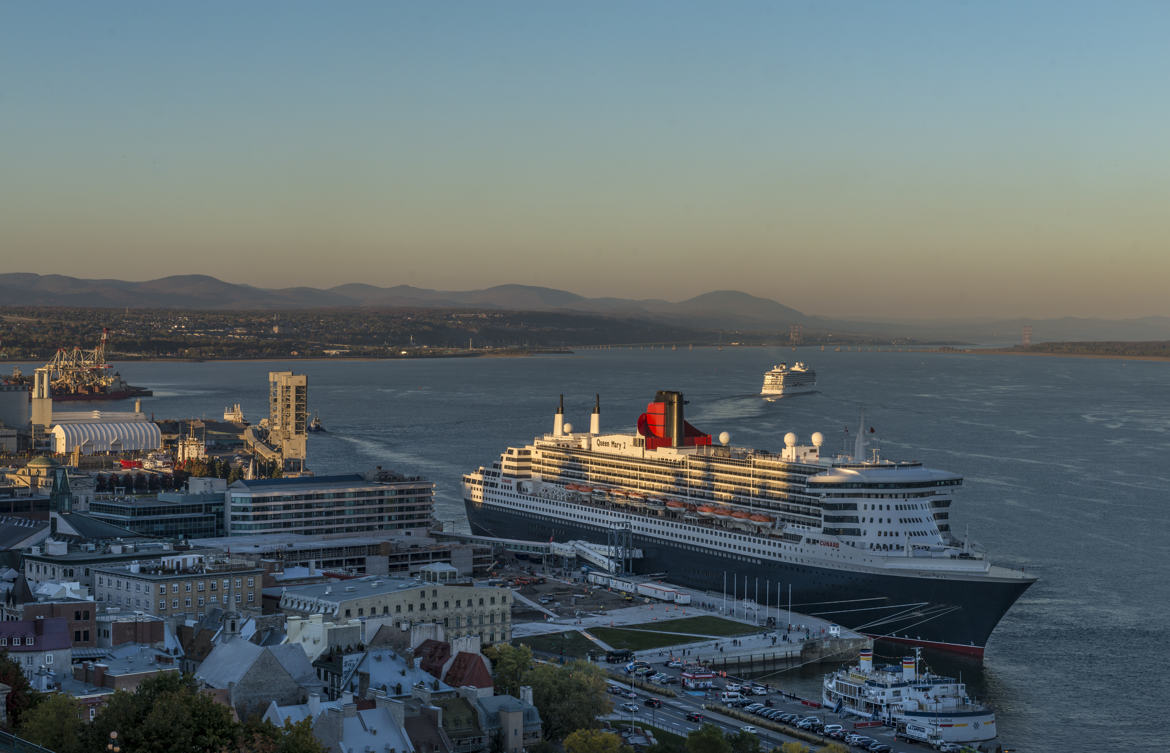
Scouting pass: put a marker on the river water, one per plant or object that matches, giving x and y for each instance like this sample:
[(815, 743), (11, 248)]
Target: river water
[(1066, 464)]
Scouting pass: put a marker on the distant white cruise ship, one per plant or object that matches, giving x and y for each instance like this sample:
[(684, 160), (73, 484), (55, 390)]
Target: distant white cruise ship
[(782, 380)]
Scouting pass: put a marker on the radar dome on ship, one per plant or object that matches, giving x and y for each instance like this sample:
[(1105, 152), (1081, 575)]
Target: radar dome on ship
[(790, 439), (724, 437), (818, 439), (568, 427)]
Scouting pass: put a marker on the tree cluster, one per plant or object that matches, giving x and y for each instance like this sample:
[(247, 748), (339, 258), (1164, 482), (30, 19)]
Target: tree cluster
[(569, 698), (165, 714)]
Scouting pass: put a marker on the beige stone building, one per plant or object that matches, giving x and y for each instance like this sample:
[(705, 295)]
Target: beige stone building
[(179, 586), (402, 602)]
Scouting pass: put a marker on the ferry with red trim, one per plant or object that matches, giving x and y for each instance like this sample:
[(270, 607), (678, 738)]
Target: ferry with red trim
[(863, 543), (922, 706)]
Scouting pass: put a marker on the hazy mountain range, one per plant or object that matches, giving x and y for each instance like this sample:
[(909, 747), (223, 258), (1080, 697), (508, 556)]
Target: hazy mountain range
[(718, 310)]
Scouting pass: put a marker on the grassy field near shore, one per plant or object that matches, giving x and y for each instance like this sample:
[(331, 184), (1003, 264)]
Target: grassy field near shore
[(704, 625), (640, 640)]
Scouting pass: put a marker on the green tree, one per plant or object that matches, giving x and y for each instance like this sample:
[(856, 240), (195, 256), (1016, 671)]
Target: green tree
[(569, 697), (793, 747), (662, 746), (744, 742), (708, 739), (834, 748), (164, 714), (298, 738), (544, 746), (256, 735), (509, 664), (593, 741), (22, 697), (55, 723)]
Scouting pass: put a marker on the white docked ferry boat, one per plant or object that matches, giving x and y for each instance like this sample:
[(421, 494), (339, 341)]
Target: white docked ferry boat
[(863, 543), (923, 706), (784, 380)]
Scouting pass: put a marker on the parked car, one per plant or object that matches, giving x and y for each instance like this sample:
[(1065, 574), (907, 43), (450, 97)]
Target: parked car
[(674, 664), (630, 707), (759, 690), (653, 703), (669, 680), (831, 728), (879, 747), (732, 687), (753, 708)]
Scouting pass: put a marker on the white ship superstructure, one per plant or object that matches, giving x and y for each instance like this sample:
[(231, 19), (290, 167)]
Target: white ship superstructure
[(866, 544), (922, 705), (784, 380)]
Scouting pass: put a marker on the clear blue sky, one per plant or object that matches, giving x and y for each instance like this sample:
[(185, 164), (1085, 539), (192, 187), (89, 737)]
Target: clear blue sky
[(926, 159)]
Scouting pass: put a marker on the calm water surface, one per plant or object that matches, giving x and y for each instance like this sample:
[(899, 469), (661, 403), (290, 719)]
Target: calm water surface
[(1066, 464)]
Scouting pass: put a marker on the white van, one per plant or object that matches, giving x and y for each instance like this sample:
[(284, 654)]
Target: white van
[(729, 697)]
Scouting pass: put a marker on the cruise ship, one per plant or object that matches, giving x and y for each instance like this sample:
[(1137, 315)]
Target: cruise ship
[(783, 380), (863, 543)]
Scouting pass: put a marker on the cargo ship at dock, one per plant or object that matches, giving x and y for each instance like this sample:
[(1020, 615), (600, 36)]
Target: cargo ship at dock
[(863, 543), (82, 376)]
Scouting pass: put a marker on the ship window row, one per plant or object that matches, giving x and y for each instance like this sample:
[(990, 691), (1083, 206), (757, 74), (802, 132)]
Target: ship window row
[(648, 468), (537, 511), (643, 528), (898, 485), (856, 495)]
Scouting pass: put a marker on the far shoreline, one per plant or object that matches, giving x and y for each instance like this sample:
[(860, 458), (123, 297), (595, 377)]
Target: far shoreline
[(1103, 356)]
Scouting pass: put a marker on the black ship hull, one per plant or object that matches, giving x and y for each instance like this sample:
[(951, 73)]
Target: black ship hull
[(953, 614)]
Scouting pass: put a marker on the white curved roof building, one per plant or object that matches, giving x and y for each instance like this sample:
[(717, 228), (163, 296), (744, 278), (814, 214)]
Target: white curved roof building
[(106, 436)]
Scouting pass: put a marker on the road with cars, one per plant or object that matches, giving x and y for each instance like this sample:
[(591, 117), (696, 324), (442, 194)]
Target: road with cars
[(685, 713)]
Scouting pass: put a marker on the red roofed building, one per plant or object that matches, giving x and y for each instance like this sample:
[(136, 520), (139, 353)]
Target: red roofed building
[(469, 670), (433, 656), (458, 663)]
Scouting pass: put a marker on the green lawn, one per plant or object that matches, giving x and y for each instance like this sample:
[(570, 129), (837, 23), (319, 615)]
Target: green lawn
[(699, 626), (574, 644), (637, 640)]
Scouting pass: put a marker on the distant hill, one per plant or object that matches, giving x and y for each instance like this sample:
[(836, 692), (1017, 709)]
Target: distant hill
[(728, 310)]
